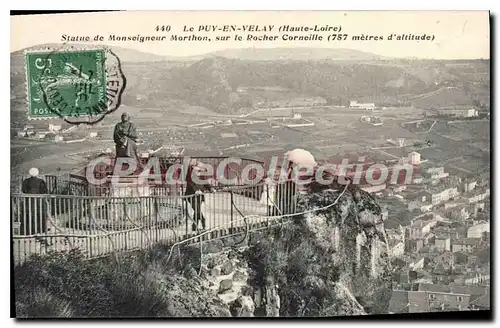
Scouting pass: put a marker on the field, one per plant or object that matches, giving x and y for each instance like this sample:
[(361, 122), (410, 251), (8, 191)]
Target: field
[(338, 132)]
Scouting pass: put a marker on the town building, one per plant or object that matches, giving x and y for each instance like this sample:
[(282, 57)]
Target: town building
[(419, 205), (477, 279), (41, 135), (421, 228), (414, 158), (399, 188), (446, 259), (58, 138), (447, 297), (475, 208), (458, 213), (397, 248), (469, 185), (477, 195), (442, 243), (54, 127), (467, 245), (436, 173), (414, 245), (448, 232), (418, 179), (460, 258), (459, 112), (438, 195), (367, 106), (403, 301), (478, 230), (418, 264), (373, 188)]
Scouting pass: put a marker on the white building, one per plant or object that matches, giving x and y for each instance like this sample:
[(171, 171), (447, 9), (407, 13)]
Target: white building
[(374, 188), (367, 106), (478, 279), (436, 173), (467, 246), (54, 127), (93, 134), (477, 230), (438, 196), (398, 249), (417, 265), (418, 205), (478, 197), (420, 228), (467, 112), (414, 158), (443, 244), (469, 185), (418, 179), (58, 138)]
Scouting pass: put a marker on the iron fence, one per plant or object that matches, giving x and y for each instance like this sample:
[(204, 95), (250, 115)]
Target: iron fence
[(101, 225), (56, 184)]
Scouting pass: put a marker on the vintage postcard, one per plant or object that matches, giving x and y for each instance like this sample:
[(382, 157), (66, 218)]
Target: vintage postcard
[(250, 164)]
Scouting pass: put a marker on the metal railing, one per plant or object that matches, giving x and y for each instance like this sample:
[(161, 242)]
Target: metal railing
[(102, 225)]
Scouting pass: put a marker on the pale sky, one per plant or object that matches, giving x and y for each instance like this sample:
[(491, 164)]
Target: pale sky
[(458, 34)]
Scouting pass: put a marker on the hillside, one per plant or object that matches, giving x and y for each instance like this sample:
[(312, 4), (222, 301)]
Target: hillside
[(235, 86), (215, 82), (301, 54), (125, 54)]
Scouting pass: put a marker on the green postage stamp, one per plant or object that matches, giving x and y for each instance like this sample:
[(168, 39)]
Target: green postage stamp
[(79, 86)]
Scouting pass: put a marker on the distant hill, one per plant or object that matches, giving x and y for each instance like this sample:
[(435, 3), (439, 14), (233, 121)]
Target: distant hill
[(125, 54), (303, 54)]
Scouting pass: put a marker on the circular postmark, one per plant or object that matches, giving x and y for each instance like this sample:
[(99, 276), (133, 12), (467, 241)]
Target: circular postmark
[(80, 86)]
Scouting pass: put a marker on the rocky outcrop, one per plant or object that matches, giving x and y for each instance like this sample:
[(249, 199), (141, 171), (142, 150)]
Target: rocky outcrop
[(190, 298), (228, 275), (329, 261), (225, 286), (352, 233)]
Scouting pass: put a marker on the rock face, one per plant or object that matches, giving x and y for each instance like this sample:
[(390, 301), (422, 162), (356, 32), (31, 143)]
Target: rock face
[(190, 298), (333, 259), (352, 233), (225, 285), (226, 268), (243, 306)]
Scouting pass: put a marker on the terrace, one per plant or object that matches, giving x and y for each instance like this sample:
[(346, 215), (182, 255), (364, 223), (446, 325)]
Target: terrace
[(130, 215)]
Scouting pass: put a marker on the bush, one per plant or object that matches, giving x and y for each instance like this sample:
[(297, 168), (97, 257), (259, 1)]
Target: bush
[(62, 284)]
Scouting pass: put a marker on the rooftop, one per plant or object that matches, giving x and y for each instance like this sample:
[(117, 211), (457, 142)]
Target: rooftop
[(438, 189), (474, 291), (408, 302), (467, 241)]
